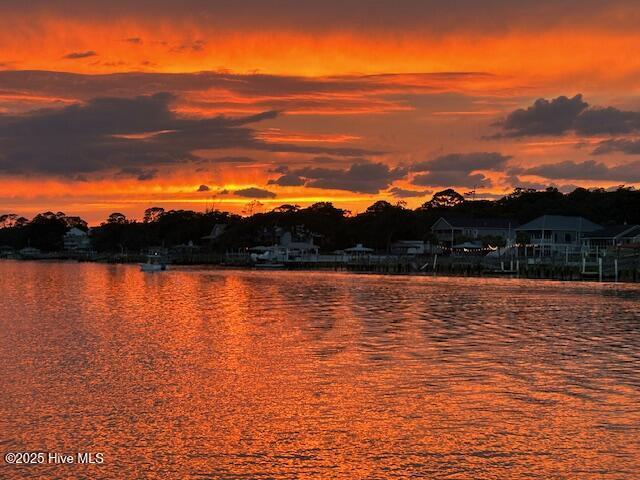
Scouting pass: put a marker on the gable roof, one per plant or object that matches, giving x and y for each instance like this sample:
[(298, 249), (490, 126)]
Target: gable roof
[(473, 222), (358, 248), (560, 222), (76, 232), (217, 231), (615, 231)]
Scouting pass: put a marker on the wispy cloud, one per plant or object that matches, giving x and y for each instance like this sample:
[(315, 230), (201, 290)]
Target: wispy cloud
[(77, 55)]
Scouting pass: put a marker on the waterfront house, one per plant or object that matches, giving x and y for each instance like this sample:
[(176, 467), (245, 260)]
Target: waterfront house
[(452, 230), (76, 240), (409, 247), (612, 236), (287, 249), (297, 247), (555, 234)]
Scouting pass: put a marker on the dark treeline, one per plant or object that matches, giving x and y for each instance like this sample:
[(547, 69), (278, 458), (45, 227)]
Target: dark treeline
[(377, 227), (44, 231)]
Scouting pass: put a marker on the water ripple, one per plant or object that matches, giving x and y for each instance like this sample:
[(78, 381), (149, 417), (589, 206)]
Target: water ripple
[(196, 373)]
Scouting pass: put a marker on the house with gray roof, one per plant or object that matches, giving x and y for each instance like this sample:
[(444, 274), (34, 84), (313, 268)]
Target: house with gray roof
[(76, 240), (452, 230), (553, 234), (612, 236)]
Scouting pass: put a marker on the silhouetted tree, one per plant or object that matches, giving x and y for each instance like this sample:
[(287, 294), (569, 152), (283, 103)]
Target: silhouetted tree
[(75, 222), (117, 218), (287, 208), (378, 226), (153, 214), (383, 223), (8, 220), (252, 207), (46, 230), (445, 199)]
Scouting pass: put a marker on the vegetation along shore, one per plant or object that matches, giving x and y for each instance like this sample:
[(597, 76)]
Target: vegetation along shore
[(585, 234)]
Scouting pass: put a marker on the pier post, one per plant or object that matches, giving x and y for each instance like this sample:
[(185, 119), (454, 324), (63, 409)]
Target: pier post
[(600, 269), (615, 268)]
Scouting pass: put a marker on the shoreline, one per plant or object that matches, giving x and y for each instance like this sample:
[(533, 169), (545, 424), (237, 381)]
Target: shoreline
[(447, 267)]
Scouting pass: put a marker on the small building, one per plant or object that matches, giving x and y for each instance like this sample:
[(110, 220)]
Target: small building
[(184, 249), (7, 251), (30, 252), (556, 234), (358, 251), (414, 247), (612, 236), (409, 247), (76, 240), (452, 230), (474, 248)]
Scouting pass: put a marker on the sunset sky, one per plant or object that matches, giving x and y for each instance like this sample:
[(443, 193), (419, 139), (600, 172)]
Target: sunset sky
[(118, 106)]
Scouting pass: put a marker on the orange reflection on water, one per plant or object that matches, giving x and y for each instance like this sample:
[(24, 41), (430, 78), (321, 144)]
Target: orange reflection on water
[(239, 374)]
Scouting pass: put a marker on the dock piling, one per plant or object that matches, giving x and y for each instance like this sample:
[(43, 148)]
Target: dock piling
[(600, 269)]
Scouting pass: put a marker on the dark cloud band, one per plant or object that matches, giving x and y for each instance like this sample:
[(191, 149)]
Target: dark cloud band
[(127, 133)]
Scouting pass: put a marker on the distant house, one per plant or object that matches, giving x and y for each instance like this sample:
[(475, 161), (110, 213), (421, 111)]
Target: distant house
[(184, 248), (76, 240), (453, 230), (6, 251), (612, 236), (552, 234), (216, 232), (30, 252), (286, 249), (409, 247), (413, 247), (299, 247)]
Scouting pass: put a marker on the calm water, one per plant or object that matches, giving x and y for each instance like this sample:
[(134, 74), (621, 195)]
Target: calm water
[(272, 375)]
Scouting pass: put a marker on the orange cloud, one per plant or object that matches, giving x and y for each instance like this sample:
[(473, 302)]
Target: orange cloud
[(591, 56)]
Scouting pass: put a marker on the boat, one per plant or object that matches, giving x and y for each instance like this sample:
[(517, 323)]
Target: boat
[(270, 259), (154, 263)]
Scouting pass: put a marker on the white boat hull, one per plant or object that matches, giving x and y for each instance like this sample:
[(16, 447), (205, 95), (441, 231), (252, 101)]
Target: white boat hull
[(152, 267)]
